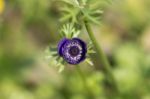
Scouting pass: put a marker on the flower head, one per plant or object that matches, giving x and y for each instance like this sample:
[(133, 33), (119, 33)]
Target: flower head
[(72, 50)]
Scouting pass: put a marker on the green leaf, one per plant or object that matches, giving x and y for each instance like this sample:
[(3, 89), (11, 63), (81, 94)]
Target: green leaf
[(90, 9), (69, 13), (89, 61), (72, 2), (69, 30), (61, 68), (54, 59), (91, 51)]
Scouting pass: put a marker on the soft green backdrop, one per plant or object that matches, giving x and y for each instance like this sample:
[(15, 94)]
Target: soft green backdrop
[(27, 27)]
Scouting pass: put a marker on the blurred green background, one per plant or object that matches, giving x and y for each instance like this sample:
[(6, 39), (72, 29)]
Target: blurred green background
[(27, 27)]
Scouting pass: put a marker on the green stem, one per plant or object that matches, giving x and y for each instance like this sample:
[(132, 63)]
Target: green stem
[(106, 66)]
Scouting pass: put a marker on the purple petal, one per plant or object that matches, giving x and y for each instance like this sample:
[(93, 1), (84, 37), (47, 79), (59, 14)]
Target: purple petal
[(60, 45)]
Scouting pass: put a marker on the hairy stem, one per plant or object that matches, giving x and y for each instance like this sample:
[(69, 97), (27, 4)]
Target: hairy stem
[(102, 57)]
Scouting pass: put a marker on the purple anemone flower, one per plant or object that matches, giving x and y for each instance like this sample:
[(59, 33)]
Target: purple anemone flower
[(72, 50)]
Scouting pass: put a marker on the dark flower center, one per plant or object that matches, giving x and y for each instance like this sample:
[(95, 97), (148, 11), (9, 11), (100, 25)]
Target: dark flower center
[(74, 51)]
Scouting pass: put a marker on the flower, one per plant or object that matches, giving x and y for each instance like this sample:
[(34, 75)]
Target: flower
[(72, 50)]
